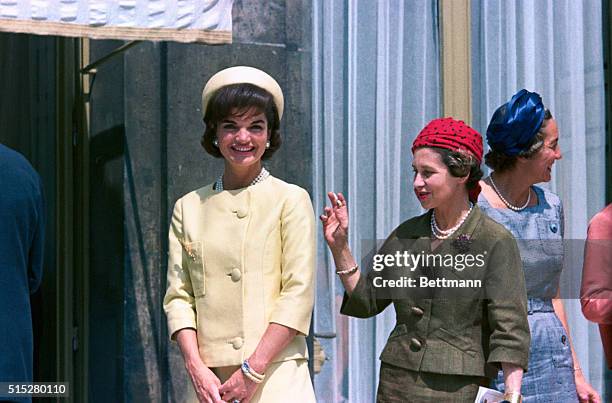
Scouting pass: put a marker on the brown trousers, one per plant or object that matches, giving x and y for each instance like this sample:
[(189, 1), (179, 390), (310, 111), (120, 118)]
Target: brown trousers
[(401, 385)]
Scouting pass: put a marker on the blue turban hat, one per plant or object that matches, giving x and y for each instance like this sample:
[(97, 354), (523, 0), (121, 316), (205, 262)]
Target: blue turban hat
[(515, 123)]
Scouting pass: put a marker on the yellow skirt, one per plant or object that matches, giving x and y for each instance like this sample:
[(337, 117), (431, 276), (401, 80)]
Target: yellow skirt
[(285, 381)]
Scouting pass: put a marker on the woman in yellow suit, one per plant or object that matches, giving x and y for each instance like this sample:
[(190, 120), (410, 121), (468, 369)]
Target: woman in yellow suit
[(241, 256)]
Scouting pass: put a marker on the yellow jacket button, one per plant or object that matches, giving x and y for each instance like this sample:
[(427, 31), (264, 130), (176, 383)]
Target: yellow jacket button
[(241, 213), (236, 275), (237, 343)]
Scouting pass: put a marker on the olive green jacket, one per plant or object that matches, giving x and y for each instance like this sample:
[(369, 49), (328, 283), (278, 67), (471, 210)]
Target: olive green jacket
[(458, 331)]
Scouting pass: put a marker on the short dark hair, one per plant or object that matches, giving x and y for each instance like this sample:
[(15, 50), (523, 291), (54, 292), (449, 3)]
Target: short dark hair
[(237, 100), (500, 162), (461, 163)]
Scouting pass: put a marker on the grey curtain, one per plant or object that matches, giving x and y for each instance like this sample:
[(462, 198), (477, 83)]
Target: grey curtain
[(376, 83)]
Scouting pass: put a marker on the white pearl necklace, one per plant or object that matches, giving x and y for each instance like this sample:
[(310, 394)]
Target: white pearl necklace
[(447, 233), (218, 186), (506, 202)]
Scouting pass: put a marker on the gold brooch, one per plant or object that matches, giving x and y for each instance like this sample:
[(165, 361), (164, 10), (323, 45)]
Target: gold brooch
[(189, 250)]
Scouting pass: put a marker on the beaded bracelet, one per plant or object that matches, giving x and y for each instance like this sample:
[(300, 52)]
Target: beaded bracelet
[(347, 271)]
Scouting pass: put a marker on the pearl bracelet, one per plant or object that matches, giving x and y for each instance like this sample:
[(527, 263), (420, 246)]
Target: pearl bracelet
[(251, 377), (347, 271), (250, 372)]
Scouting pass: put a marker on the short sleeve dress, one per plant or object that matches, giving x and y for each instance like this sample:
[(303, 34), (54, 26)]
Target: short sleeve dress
[(539, 233)]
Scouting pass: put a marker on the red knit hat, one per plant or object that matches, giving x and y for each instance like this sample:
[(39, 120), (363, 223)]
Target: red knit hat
[(452, 135)]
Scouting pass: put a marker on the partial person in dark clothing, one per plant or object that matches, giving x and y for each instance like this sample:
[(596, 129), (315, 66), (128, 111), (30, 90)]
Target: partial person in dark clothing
[(21, 255)]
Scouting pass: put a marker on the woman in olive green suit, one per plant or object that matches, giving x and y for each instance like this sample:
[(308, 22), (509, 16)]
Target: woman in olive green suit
[(447, 342)]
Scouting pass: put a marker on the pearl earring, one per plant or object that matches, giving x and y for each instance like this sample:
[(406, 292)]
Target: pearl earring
[(215, 143), (267, 145)]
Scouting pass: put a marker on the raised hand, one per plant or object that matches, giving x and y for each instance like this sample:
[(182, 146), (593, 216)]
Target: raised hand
[(335, 222)]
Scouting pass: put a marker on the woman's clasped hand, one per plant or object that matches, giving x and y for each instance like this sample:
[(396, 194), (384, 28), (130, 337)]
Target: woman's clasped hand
[(238, 387), (205, 382)]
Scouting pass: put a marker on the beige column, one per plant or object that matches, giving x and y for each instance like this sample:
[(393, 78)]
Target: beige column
[(456, 69)]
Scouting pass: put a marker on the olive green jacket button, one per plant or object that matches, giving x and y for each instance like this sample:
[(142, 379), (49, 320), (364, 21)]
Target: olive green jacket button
[(417, 311), (416, 343)]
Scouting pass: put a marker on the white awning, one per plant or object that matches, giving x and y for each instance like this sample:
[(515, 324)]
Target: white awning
[(208, 21)]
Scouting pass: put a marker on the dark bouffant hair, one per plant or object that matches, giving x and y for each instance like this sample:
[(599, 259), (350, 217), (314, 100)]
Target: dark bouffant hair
[(501, 162), (460, 164), (237, 100)]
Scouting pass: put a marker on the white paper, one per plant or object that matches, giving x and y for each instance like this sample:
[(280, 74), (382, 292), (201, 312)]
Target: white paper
[(486, 395)]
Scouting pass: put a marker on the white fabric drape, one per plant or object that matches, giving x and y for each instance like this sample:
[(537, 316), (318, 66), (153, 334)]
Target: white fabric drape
[(208, 21), (555, 48), (376, 83)]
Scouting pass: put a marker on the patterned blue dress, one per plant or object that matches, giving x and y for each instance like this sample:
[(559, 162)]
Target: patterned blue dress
[(539, 232)]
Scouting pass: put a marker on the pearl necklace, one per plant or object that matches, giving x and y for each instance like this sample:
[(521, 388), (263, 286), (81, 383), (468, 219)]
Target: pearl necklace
[(506, 202), (447, 233), (218, 186)]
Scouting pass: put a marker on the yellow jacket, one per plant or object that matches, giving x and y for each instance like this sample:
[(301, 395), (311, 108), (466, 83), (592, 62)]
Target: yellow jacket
[(238, 260)]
